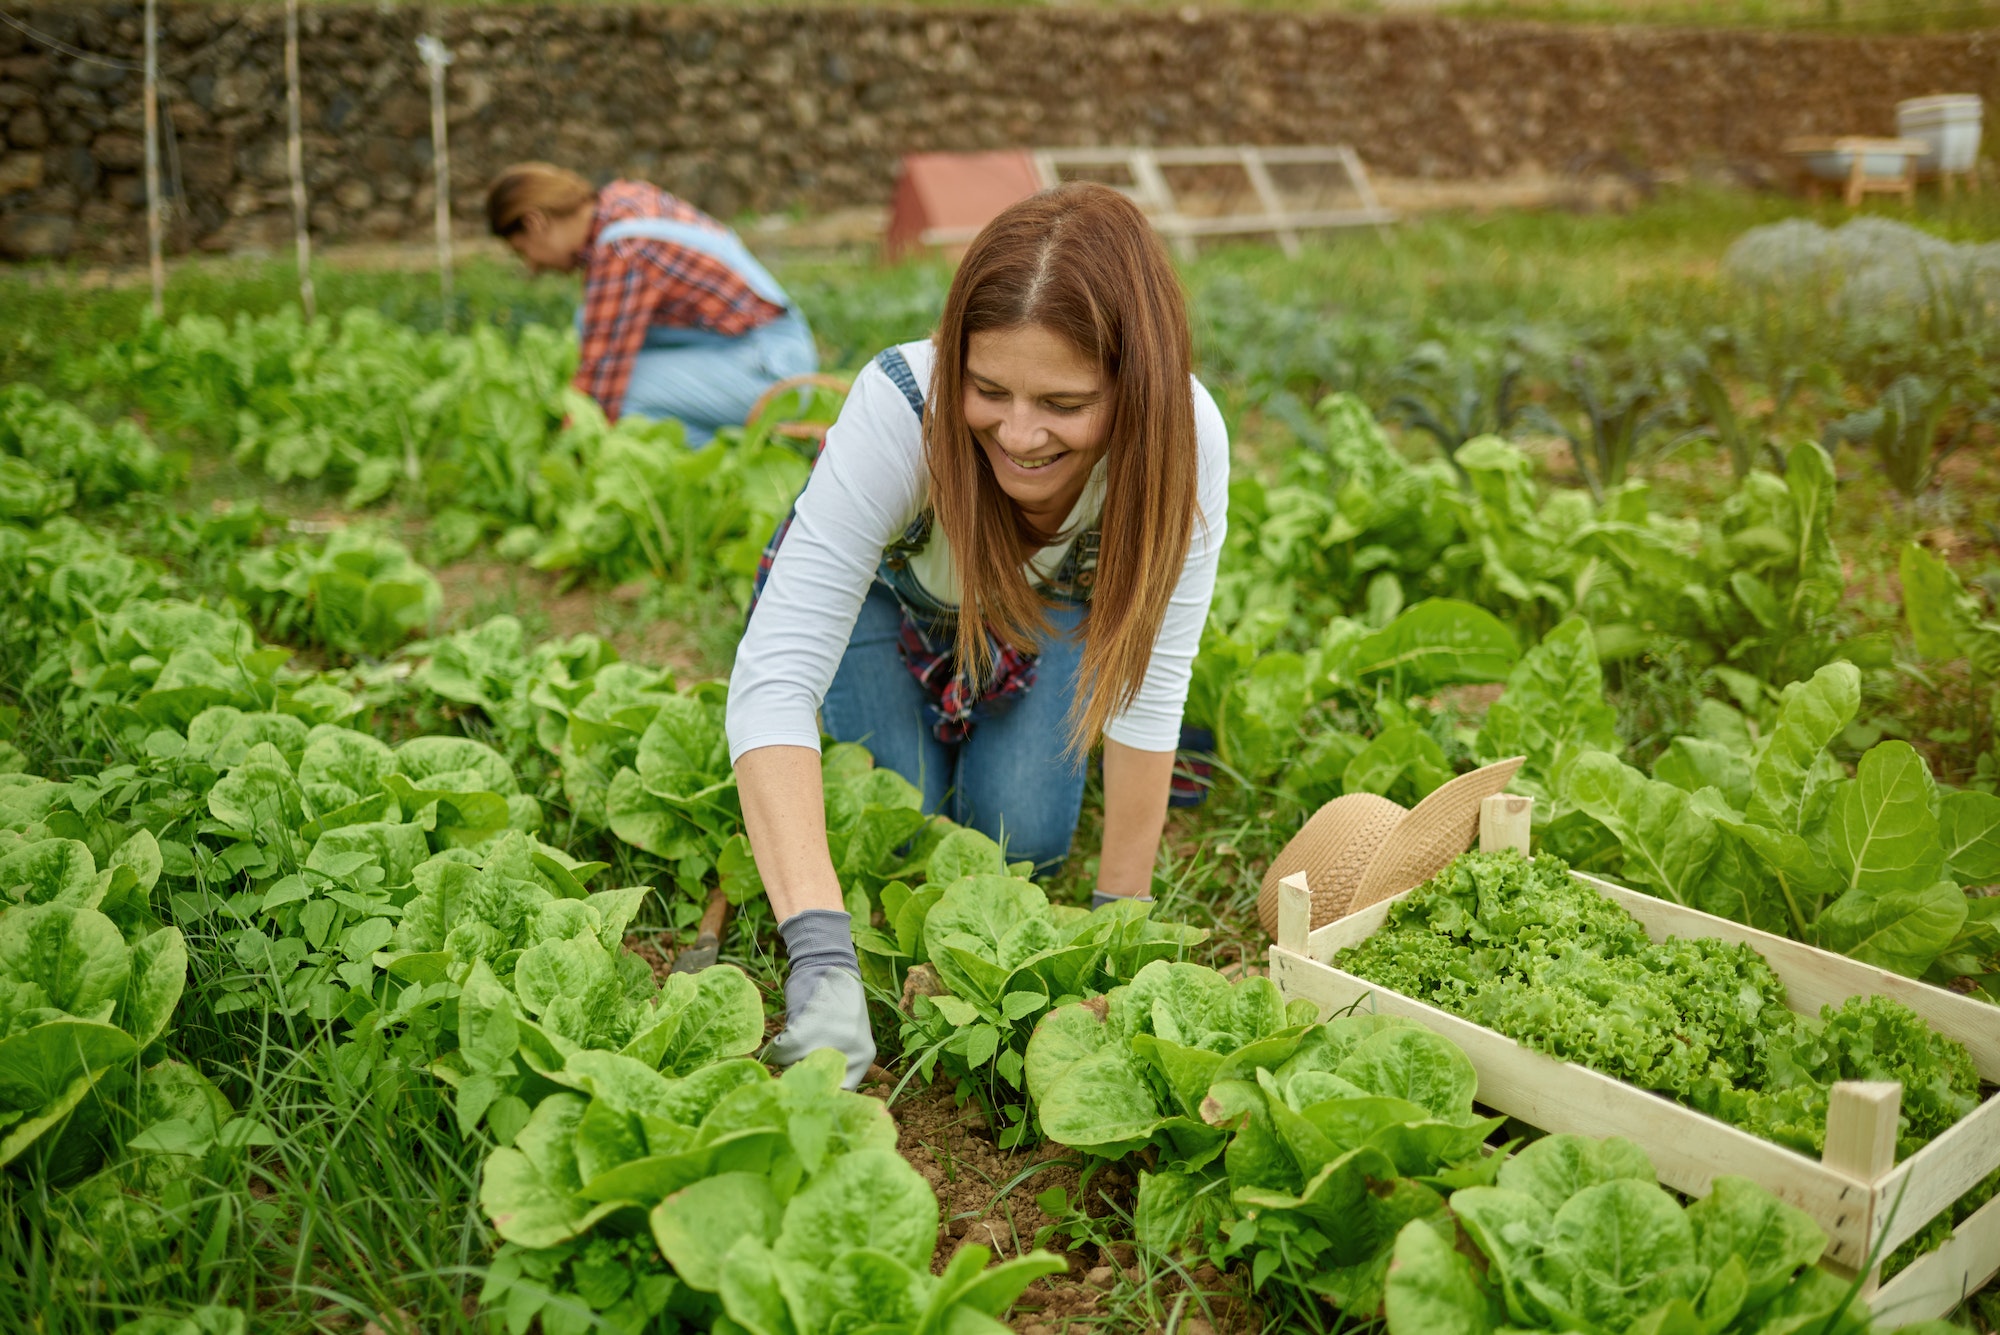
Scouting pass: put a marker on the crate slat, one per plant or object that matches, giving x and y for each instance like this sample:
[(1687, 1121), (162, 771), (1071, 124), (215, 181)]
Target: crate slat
[(1939, 1281), (1689, 1150)]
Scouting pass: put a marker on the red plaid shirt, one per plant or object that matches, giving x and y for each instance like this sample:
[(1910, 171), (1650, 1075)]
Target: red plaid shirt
[(638, 282)]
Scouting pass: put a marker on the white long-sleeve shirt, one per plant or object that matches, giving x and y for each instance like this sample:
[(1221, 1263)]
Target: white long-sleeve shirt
[(869, 485)]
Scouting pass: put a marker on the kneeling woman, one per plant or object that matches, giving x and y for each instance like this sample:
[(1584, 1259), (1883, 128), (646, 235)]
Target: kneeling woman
[(1005, 553), (678, 318)]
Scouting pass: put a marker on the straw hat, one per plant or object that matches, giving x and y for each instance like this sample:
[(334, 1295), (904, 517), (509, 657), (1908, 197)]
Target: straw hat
[(1359, 849)]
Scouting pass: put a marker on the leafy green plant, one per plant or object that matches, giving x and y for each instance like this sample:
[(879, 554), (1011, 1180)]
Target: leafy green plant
[(1745, 439), (58, 442), (781, 1203), (1577, 1235), (982, 956), (1626, 422), (1298, 1147), (1873, 866), (1905, 429), (1524, 949), (1949, 622), (358, 592), (1455, 400), (82, 992)]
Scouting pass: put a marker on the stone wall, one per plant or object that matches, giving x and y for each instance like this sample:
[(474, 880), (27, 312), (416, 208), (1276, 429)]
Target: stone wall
[(768, 109)]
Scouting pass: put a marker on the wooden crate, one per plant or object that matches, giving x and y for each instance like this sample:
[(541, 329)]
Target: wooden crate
[(1856, 1191)]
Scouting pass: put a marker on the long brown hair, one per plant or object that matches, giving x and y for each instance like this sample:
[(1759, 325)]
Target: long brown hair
[(1081, 261), (528, 186)]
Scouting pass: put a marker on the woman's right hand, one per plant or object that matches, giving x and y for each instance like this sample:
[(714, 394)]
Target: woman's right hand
[(825, 1006), (784, 815)]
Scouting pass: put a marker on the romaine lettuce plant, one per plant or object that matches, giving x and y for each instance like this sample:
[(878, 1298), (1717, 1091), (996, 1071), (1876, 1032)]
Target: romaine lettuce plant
[(78, 998), (1576, 1235), (358, 592), (982, 956)]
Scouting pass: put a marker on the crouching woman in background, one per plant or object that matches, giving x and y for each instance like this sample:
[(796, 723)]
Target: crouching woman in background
[(678, 318)]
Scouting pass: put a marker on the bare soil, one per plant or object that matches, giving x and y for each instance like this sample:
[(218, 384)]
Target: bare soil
[(986, 1196)]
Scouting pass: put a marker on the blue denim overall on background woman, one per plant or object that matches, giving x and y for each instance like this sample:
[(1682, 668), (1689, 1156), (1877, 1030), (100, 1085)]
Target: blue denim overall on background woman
[(704, 379)]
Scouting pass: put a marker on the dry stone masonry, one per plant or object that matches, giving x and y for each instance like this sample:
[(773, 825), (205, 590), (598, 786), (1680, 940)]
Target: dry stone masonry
[(770, 109)]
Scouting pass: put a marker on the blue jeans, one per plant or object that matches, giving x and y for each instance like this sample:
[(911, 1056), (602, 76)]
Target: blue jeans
[(707, 381), (1013, 779)]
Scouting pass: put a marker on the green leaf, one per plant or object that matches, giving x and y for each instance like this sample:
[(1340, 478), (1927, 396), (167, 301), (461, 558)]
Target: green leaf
[(52, 871), (697, 1225), (1555, 1168), (1667, 841), (1414, 1064), (529, 1190), (1882, 827), (1439, 642), (159, 972), (1553, 708), (1620, 1249), (1812, 715), (1432, 1290), (1771, 1239), (1901, 929), (1969, 826), (61, 956), (870, 1198)]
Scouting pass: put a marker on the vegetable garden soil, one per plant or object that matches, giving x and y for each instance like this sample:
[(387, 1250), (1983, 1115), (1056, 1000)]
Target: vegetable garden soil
[(986, 1196)]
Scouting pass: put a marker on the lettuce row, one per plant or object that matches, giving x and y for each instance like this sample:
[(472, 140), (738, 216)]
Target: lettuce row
[(1576, 1235), (1524, 949)]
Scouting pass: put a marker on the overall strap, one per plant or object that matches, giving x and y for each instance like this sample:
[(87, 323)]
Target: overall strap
[(897, 368), (725, 247)]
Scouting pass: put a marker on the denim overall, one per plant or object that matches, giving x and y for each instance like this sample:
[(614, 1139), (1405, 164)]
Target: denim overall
[(704, 379)]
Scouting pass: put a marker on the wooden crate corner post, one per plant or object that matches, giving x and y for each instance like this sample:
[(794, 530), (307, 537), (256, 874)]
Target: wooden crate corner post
[(1861, 1120), (1295, 912), (1504, 822)]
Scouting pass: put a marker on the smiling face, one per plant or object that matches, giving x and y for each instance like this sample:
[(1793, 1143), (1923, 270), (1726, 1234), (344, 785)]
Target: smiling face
[(552, 243), (1041, 411)]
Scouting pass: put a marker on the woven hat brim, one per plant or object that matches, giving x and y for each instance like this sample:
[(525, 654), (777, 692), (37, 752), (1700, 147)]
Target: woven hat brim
[(1334, 849), (1437, 830)]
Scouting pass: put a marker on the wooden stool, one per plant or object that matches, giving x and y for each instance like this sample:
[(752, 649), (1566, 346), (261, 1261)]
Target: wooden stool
[(1814, 154)]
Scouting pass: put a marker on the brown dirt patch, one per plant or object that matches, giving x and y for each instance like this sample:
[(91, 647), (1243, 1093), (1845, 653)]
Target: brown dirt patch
[(986, 1196)]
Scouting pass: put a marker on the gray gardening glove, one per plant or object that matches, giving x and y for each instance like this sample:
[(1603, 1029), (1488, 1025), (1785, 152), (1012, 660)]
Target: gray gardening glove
[(824, 1003), (1098, 899)]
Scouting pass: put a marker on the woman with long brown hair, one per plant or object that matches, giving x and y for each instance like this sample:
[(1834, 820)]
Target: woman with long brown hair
[(1005, 555), (678, 318)]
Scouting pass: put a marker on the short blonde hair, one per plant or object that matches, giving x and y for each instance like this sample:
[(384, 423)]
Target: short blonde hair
[(527, 186)]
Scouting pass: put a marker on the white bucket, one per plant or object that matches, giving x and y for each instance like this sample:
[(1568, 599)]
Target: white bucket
[(1949, 124)]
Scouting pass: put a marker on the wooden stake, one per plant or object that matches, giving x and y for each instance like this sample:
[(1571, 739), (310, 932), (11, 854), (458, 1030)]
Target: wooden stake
[(295, 158), (437, 57), (153, 259)]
